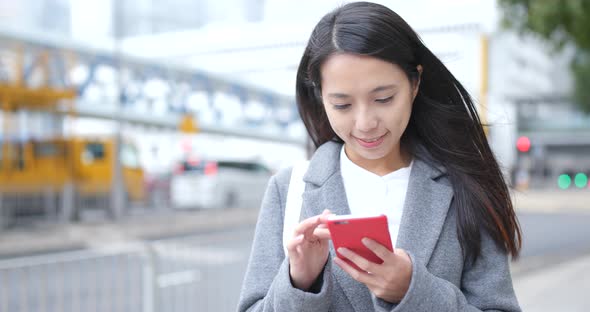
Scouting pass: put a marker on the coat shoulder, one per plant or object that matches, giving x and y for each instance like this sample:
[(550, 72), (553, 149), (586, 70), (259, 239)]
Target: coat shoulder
[(282, 177), (280, 182)]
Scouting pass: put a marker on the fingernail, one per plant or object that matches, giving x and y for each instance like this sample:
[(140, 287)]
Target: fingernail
[(366, 241), (299, 237)]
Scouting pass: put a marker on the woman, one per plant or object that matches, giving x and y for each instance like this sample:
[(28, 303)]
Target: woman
[(396, 134)]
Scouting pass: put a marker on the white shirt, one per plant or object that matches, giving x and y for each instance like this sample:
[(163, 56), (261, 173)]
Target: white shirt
[(370, 194)]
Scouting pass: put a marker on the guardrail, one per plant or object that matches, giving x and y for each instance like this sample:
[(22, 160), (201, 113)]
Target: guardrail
[(142, 277)]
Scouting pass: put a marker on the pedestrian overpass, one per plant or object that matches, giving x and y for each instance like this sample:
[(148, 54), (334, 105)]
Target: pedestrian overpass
[(44, 73), (48, 83)]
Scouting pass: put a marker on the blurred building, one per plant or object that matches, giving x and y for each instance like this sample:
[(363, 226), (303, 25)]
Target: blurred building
[(137, 17), (48, 15), (520, 85)]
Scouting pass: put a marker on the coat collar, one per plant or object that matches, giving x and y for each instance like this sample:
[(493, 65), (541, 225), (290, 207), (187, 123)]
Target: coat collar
[(325, 162), (425, 209)]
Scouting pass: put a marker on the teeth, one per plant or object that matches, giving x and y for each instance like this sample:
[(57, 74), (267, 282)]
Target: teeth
[(370, 141)]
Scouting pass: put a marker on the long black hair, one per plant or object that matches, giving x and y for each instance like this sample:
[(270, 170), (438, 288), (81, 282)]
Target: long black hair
[(444, 126)]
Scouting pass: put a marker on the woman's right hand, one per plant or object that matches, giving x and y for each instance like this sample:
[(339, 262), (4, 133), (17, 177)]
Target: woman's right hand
[(308, 250)]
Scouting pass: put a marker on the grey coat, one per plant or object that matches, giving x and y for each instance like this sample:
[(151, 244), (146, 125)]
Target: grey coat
[(441, 279)]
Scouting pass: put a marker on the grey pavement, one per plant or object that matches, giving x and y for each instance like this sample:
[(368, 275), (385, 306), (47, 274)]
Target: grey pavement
[(561, 287), (552, 200), (41, 238)]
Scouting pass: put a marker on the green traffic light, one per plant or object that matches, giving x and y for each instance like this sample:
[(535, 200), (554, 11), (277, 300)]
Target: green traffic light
[(564, 181), (581, 180)]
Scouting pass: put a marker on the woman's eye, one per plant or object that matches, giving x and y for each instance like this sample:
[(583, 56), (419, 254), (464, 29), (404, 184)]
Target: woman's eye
[(341, 106), (385, 100)]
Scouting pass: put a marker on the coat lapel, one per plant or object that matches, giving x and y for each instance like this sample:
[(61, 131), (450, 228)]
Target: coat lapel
[(325, 190), (331, 195), (425, 210)]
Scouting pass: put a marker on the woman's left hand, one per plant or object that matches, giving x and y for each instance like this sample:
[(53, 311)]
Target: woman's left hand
[(388, 281)]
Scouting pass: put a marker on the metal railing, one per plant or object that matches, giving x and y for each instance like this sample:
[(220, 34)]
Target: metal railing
[(20, 208), (134, 277)]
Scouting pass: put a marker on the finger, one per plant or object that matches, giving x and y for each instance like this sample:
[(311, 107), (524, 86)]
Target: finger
[(359, 276), (307, 225), (293, 243), (360, 261), (402, 253), (324, 217), (381, 251), (322, 233)]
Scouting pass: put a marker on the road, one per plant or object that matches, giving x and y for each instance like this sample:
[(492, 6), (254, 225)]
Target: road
[(204, 272), (555, 234)]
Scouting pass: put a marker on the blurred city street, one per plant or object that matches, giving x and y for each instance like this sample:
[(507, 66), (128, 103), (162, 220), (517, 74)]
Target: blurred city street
[(201, 258)]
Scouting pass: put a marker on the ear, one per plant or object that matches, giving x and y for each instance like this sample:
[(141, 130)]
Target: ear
[(416, 85)]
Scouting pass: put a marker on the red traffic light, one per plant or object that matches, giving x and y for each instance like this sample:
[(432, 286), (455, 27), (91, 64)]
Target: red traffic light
[(523, 144)]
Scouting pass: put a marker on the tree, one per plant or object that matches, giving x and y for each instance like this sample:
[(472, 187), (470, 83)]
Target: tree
[(561, 22)]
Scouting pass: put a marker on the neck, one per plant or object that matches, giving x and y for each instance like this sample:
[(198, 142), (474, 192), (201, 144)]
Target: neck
[(395, 160)]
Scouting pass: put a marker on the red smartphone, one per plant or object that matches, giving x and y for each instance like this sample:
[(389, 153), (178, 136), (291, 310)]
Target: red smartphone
[(348, 231)]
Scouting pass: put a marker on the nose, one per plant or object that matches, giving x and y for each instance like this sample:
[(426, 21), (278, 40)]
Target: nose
[(366, 121)]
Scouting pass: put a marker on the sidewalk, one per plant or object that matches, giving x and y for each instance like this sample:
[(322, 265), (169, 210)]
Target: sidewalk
[(552, 201), (58, 237), (561, 287)]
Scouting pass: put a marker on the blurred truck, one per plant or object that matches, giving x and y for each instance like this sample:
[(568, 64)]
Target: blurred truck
[(50, 169)]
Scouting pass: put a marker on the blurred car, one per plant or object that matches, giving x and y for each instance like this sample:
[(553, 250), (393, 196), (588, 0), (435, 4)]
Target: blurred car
[(218, 184), (157, 186)]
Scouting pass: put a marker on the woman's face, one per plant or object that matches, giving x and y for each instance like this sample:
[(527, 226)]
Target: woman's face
[(368, 102)]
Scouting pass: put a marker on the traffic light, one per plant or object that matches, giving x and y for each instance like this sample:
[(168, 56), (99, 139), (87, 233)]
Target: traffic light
[(564, 181), (581, 180), (523, 144)]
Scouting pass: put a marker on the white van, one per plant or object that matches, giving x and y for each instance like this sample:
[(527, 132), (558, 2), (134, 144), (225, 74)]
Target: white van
[(218, 184)]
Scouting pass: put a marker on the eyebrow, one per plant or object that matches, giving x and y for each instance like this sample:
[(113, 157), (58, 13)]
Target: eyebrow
[(344, 95)]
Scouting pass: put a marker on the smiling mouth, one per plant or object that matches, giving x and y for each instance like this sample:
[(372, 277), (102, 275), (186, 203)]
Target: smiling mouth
[(371, 140)]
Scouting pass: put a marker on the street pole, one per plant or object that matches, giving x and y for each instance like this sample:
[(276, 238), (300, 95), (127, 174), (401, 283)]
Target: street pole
[(117, 189), (483, 89)]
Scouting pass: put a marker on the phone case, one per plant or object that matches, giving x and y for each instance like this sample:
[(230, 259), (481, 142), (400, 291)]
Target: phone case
[(348, 231)]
